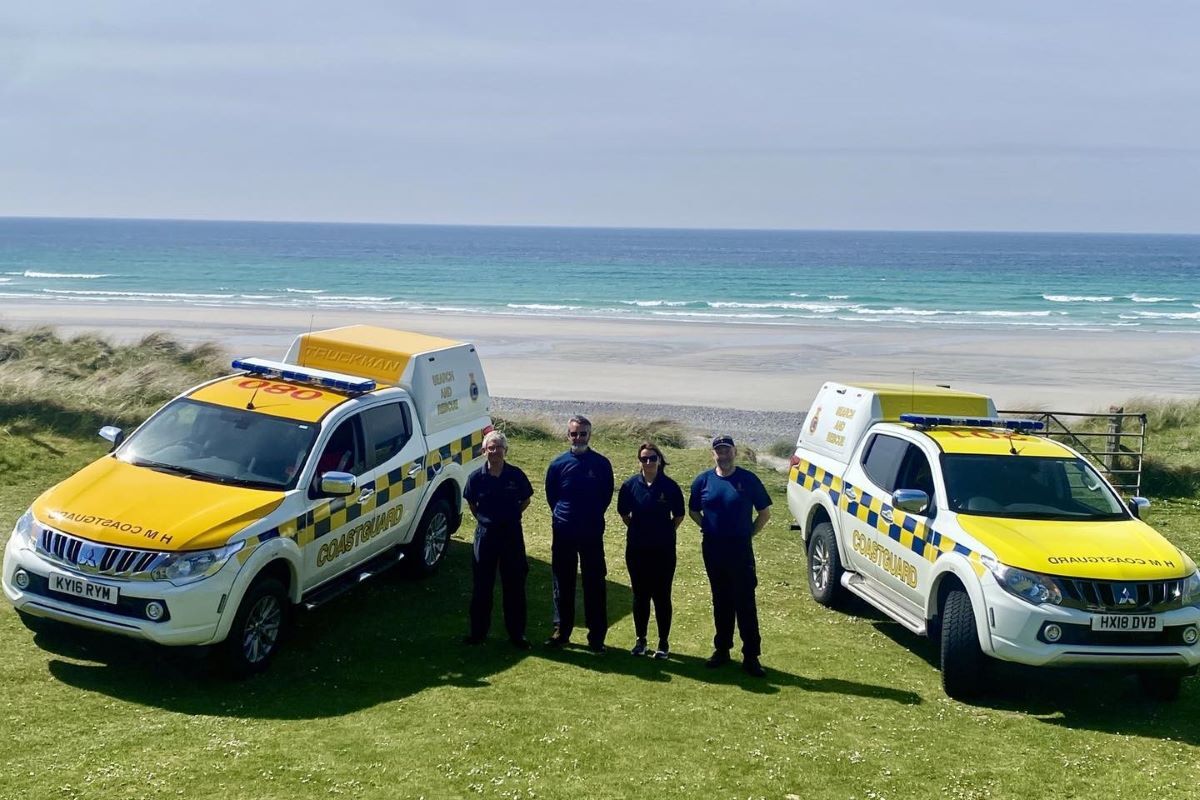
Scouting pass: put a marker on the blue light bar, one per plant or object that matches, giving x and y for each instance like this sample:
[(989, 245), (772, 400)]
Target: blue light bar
[(928, 421), (317, 377)]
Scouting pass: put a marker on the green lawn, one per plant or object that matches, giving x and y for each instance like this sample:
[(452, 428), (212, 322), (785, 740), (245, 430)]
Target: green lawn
[(375, 696)]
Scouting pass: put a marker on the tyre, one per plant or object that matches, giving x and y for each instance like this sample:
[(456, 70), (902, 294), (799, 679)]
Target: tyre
[(425, 552), (1161, 685), (824, 566), (257, 629), (963, 662)]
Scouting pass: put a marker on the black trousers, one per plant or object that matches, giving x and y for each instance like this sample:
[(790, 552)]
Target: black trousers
[(651, 573), (505, 551), (569, 551), (731, 575)]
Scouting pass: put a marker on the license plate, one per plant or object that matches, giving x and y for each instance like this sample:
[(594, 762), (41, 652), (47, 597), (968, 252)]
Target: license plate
[(1126, 622), (80, 587)]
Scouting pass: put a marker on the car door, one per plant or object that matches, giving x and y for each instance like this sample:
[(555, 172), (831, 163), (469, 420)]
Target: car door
[(868, 487), (398, 476), (325, 532), (909, 534)]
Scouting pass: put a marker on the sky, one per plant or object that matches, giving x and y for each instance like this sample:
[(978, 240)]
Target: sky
[(1068, 115)]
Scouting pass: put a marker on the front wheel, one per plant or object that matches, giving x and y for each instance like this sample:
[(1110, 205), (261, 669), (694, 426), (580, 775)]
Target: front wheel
[(824, 566), (257, 628), (963, 661), (424, 553), (1161, 685)]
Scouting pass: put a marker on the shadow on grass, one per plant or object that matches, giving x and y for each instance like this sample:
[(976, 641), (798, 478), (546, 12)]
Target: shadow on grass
[(386, 640), (1109, 701)]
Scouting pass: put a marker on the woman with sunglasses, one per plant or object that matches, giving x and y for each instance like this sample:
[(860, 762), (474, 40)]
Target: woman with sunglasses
[(651, 504)]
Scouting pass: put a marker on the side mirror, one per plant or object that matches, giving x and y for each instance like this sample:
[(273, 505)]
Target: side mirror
[(1137, 505), (911, 501), (110, 433), (338, 484)]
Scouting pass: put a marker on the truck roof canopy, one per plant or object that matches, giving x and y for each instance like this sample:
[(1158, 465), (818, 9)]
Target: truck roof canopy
[(443, 376), (842, 413)]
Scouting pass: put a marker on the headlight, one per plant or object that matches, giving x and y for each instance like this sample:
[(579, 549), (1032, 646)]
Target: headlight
[(179, 568), (1032, 587), (23, 531), (1191, 589)]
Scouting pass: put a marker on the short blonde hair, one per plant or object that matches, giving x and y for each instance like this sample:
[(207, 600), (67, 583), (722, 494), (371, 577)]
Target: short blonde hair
[(496, 436)]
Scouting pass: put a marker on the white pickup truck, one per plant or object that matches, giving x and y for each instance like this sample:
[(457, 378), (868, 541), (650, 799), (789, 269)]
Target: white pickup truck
[(282, 484), (997, 542)]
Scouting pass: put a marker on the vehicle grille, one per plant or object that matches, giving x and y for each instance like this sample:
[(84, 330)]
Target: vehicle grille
[(1121, 596), (94, 558)]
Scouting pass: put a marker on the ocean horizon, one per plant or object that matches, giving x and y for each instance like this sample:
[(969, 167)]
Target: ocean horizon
[(1073, 281)]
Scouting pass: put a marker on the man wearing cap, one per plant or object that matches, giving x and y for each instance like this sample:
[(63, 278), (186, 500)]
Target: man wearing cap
[(579, 488), (731, 506)]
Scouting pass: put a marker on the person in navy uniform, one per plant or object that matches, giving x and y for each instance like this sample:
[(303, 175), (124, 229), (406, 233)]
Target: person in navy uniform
[(498, 493), (651, 504), (731, 506), (579, 488)]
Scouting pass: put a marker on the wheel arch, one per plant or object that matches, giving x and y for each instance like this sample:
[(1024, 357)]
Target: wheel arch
[(279, 558), (953, 571)]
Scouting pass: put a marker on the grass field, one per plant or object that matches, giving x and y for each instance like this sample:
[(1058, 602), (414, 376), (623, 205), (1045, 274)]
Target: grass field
[(374, 696)]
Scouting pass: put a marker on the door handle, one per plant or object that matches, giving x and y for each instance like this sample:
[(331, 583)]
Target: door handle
[(366, 493), (416, 468)]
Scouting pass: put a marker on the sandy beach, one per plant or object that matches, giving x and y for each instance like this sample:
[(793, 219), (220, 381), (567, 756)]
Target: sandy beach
[(758, 368)]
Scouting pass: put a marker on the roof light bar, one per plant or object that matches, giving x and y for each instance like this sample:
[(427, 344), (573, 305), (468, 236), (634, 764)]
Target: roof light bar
[(292, 372), (929, 421)]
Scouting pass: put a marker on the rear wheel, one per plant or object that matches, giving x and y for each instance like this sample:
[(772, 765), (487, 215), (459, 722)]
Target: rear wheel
[(1161, 685), (257, 629), (425, 552), (963, 661), (824, 566)]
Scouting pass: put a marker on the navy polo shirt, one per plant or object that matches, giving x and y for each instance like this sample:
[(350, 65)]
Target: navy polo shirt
[(728, 504), (579, 488), (498, 498), (654, 509)]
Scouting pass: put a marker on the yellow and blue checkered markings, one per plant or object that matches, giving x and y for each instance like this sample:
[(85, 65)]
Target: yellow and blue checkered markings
[(333, 514), (910, 533)]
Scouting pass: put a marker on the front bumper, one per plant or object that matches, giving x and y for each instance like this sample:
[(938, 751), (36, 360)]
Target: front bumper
[(193, 611), (1014, 627)]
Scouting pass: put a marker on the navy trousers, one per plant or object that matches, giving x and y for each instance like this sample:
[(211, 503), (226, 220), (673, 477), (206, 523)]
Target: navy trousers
[(503, 551), (732, 578), (570, 551)]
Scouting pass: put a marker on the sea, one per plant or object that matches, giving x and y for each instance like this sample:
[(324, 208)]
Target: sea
[(903, 279)]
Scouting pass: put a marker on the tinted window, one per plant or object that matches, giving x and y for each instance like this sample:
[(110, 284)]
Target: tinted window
[(344, 451), (882, 460), (915, 472), (388, 429)]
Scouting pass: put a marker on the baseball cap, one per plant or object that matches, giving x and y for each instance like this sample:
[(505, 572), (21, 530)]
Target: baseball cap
[(724, 440)]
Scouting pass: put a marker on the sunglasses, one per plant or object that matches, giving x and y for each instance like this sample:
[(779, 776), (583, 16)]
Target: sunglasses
[(579, 434), (648, 459)]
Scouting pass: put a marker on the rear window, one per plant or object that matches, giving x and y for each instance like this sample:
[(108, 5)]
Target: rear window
[(881, 460)]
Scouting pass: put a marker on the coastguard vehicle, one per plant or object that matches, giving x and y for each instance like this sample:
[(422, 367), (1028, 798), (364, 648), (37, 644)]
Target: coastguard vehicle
[(280, 485), (975, 531)]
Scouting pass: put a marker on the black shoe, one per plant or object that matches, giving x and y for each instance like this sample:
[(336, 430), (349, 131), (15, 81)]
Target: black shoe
[(719, 658), (473, 640), (639, 648), (521, 644), (597, 647), (751, 666), (663, 652), (556, 641)]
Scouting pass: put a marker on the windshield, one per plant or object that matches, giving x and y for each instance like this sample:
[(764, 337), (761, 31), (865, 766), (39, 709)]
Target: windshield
[(1028, 487), (223, 445)]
